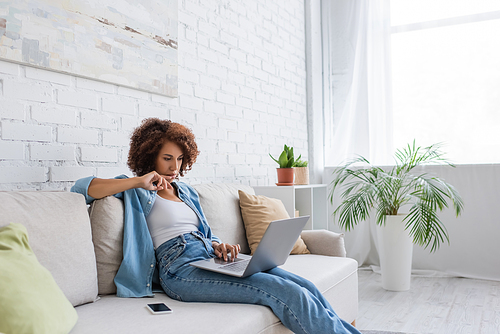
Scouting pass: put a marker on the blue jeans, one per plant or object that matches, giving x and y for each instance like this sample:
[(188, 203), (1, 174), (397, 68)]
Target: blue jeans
[(294, 300)]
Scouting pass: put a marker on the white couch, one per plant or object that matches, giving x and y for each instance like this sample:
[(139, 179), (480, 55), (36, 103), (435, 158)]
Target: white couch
[(81, 249)]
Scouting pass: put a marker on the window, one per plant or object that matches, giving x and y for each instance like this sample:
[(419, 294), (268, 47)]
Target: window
[(446, 76)]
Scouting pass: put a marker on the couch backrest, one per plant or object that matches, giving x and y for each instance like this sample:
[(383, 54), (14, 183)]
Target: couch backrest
[(59, 233), (221, 205)]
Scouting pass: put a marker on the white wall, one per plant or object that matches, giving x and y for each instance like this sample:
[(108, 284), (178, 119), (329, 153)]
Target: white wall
[(242, 89)]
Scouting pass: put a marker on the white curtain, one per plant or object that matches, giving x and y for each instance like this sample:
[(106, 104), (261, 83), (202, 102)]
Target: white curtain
[(357, 80)]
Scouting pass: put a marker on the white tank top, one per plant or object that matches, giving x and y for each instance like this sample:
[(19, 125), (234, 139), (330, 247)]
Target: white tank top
[(169, 219)]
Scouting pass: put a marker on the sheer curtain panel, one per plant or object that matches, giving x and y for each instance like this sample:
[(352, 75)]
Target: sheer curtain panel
[(357, 80)]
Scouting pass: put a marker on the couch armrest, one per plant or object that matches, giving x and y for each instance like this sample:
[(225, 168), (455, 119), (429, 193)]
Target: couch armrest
[(323, 242)]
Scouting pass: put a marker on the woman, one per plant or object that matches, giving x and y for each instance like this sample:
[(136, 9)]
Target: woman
[(165, 229)]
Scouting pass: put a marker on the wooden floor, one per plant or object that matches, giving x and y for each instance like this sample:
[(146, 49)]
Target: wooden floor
[(440, 305)]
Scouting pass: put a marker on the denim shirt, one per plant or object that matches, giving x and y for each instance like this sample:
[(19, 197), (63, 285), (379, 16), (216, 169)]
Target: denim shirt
[(135, 275)]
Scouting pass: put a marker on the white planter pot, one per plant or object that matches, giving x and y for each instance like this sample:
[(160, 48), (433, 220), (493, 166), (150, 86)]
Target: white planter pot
[(395, 251)]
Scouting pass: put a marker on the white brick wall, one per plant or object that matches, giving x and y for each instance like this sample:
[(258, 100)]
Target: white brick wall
[(51, 152), (29, 132), (23, 174), (242, 89), (99, 154), (77, 136), (10, 150)]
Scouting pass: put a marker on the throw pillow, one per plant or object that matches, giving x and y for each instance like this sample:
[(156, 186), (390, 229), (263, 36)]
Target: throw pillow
[(258, 212), (106, 218), (30, 300)]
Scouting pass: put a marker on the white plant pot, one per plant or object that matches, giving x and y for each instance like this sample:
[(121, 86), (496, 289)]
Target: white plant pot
[(395, 250)]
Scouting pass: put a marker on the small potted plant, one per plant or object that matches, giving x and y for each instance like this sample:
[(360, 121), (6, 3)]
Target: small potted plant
[(301, 172), (285, 171), (387, 190)]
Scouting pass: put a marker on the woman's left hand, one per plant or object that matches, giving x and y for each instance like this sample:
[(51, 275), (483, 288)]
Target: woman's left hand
[(223, 250)]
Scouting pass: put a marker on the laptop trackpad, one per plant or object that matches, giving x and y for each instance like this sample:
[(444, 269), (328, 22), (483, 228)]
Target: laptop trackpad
[(221, 260)]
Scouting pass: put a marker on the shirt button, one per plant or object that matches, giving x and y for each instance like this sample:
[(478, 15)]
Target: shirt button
[(149, 202), (147, 284), (152, 266)]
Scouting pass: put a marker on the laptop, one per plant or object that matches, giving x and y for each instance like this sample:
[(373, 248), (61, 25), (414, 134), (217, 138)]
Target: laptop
[(272, 251)]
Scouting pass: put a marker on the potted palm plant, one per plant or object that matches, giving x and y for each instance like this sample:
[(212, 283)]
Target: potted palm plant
[(285, 171), (387, 190)]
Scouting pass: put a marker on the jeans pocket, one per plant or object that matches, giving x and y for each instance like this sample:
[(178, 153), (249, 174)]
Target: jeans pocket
[(168, 257), (206, 243)]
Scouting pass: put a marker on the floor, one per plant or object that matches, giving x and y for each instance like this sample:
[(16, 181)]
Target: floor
[(441, 305)]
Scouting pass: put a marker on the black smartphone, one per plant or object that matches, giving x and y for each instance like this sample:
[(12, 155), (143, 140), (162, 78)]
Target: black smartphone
[(159, 308)]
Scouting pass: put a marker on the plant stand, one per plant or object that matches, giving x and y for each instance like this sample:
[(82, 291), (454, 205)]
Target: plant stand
[(395, 251)]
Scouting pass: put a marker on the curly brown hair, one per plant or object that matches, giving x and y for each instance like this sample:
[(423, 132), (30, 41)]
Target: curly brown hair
[(149, 137)]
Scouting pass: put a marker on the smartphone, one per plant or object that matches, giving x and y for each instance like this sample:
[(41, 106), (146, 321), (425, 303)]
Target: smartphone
[(159, 308)]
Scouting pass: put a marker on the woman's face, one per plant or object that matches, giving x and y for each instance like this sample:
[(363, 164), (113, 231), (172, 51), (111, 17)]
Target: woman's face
[(169, 161)]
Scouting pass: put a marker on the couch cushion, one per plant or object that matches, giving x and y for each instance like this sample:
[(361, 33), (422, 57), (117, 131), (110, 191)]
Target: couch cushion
[(30, 300), (334, 276), (220, 203), (106, 218), (59, 229), (258, 212), (129, 315)]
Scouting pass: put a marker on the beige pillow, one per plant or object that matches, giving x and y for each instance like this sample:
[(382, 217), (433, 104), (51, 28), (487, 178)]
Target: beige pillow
[(258, 212), (106, 218)]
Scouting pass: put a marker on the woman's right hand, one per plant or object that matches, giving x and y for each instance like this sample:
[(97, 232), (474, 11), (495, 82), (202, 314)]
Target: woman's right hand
[(153, 181), (99, 188)]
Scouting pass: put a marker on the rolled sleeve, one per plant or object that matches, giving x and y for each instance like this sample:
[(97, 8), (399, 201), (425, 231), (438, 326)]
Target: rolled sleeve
[(215, 238), (82, 186)]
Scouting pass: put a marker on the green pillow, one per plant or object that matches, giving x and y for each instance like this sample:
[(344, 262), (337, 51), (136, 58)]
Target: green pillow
[(30, 300)]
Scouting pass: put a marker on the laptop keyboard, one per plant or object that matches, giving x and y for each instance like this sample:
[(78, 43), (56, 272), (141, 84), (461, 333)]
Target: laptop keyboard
[(235, 266)]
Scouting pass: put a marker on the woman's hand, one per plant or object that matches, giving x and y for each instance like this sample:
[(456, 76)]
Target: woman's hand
[(223, 249), (154, 181), (100, 188)]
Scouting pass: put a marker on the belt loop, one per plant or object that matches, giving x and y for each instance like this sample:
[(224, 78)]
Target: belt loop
[(183, 239), (196, 234)]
